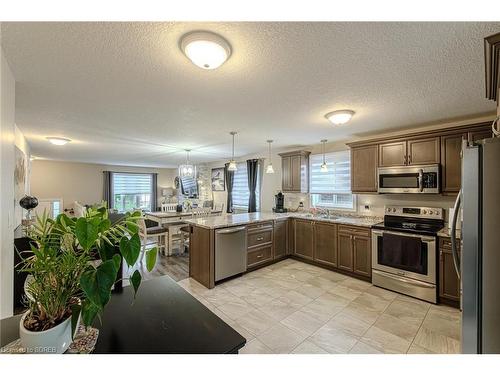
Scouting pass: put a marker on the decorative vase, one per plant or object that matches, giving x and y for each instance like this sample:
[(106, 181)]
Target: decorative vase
[(54, 340)]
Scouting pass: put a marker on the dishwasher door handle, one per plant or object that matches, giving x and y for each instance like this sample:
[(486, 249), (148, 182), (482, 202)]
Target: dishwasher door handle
[(230, 230)]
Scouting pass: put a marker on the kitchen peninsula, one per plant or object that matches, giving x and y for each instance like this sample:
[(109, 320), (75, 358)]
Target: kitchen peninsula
[(340, 243)]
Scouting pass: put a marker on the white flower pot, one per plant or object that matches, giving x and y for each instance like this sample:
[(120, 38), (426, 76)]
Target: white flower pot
[(54, 340)]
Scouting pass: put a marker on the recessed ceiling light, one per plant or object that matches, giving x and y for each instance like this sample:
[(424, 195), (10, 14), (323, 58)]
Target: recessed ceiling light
[(58, 141), (205, 49), (340, 117)]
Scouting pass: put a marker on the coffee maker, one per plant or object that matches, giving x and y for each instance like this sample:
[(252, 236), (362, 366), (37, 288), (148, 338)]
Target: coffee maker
[(279, 200)]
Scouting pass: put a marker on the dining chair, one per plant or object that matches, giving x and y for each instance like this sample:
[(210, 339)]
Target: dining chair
[(219, 208), (159, 233), (201, 212)]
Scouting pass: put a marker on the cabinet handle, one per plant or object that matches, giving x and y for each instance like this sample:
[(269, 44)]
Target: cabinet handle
[(409, 159), (260, 238), (404, 160), (260, 256)]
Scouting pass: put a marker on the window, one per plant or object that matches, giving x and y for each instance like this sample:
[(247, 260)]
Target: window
[(241, 194), (51, 207), (331, 189), (132, 191)]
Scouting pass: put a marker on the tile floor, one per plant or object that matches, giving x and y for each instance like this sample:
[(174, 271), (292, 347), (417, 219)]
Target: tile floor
[(294, 307)]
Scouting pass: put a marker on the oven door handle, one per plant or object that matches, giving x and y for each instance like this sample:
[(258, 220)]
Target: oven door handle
[(421, 180), (423, 238)]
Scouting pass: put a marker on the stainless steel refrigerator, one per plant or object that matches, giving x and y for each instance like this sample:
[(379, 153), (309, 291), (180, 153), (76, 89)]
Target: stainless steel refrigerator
[(479, 262)]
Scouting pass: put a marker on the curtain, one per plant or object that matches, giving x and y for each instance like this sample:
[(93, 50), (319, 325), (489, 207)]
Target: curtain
[(154, 191), (252, 174), (229, 177), (107, 192)]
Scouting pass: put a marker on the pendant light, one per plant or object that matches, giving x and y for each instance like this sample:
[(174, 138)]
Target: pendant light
[(323, 167), (232, 164), (187, 170), (270, 168)]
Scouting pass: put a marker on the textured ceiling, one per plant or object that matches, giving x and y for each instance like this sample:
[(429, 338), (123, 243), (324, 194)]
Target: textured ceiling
[(126, 94)]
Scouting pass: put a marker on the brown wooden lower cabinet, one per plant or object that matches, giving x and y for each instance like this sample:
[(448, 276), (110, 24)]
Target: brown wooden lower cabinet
[(291, 236), (260, 255), (362, 255), (303, 238), (325, 244), (354, 250), (344, 246), (280, 238), (449, 284)]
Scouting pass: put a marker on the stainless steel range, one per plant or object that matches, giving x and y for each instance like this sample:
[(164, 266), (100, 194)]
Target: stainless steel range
[(404, 249)]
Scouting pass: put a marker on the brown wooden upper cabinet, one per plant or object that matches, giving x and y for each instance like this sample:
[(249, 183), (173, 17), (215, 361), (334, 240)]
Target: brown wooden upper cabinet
[(325, 244), (451, 146), (303, 238), (410, 152), (364, 162), (295, 171)]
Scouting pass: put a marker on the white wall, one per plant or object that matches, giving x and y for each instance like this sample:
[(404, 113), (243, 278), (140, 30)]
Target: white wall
[(82, 182), (10, 137)]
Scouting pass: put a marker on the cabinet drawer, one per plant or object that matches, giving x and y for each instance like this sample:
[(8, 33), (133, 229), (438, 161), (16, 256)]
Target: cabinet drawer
[(259, 255), (260, 237), (355, 231), (260, 226)]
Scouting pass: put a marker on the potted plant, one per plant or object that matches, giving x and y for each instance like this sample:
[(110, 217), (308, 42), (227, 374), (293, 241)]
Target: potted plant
[(71, 273)]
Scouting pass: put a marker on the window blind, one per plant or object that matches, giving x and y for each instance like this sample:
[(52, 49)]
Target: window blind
[(241, 194), (131, 183), (337, 179)]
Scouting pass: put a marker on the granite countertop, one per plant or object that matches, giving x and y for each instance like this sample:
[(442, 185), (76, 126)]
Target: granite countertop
[(230, 220)]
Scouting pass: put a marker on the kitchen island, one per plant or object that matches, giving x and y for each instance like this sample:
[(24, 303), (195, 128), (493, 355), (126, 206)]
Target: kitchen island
[(341, 243)]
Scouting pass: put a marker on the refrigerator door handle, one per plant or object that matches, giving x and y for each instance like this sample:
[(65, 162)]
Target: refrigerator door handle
[(453, 234)]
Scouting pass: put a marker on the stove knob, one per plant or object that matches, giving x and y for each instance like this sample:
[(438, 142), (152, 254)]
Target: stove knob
[(425, 212)]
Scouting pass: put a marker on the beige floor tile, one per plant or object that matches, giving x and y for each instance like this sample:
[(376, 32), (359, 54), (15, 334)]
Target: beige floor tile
[(302, 275), (258, 298), (275, 290), (423, 304), (288, 283), (295, 299), (333, 276), (360, 312), (223, 316), (348, 324), (372, 303), (302, 322), (255, 347), (436, 342), (321, 311), (362, 348), (277, 309), (235, 309), (193, 286), (281, 339), (355, 284), (256, 322), (333, 300), (416, 349), (220, 296), (397, 327), (385, 341), (345, 292), (333, 340), (322, 283), (310, 290), (443, 324), (308, 347), (240, 290), (408, 311)]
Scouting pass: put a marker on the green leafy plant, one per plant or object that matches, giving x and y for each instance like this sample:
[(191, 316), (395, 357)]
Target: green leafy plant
[(75, 263)]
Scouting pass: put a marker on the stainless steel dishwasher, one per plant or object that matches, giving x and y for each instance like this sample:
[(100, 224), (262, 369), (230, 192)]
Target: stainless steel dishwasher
[(230, 252)]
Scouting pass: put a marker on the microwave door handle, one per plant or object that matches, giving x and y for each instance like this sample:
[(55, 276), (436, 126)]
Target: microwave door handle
[(456, 208), (421, 180)]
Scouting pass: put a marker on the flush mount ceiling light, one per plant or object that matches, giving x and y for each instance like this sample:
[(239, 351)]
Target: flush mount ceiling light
[(58, 141), (339, 117), (187, 170), (232, 164), (323, 167), (205, 49), (270, 168)]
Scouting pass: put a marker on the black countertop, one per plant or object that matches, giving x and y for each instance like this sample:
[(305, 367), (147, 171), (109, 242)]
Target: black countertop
[(163, 319)]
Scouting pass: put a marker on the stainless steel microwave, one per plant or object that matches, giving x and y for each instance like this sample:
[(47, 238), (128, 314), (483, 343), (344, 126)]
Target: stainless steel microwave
[(419, 179)]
